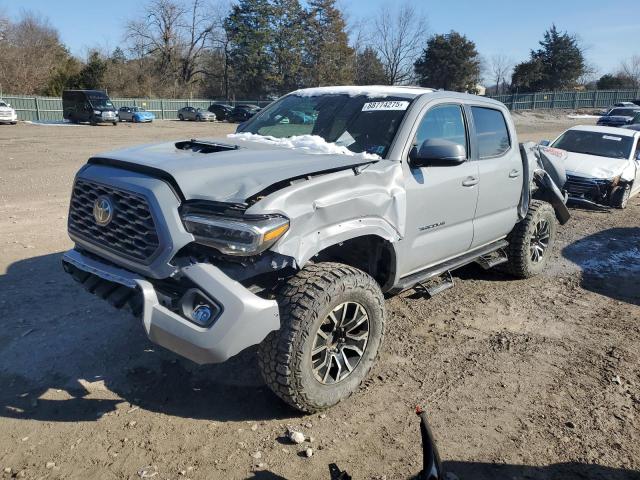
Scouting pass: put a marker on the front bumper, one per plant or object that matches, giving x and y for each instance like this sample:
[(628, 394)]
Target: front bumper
[(105, 119), (245, 320), (9, 119)]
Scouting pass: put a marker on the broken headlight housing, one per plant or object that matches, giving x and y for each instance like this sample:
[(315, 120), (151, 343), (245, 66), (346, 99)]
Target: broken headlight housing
[(242, 236)]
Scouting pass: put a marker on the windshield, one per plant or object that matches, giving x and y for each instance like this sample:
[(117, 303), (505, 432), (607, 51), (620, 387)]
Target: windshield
[(2, 104), (623, 112), (595, 143), (359, 123), (100, 102)]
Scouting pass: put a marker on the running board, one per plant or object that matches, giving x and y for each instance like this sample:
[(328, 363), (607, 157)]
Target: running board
[(492, 259), (437, 270), (436, 285)]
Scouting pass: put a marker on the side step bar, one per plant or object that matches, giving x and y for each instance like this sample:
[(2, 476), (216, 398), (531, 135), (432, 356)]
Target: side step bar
[(437, 270), (492, 259)]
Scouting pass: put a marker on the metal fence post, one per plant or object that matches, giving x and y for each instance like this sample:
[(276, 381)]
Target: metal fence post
[(37, 109), (162, 109), (535, 101), (595, 99)]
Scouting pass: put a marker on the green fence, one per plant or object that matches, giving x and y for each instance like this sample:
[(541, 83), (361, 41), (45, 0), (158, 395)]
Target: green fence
[(49, 109), (45, 109), (571, 100)]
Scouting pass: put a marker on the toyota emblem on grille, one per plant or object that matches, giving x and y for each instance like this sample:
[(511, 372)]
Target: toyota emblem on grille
[(103, 210)]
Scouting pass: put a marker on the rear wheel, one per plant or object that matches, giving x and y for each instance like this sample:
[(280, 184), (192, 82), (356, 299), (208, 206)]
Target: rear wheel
[(620, 196), (331, 328), (531, 241), (181, 117)]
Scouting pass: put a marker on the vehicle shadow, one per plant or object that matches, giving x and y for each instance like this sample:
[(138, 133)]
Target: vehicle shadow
[(492, 471), (610, 263), (557, 471), (66, 356)]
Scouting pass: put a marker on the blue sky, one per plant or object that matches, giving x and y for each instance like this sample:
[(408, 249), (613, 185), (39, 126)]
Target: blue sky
[(610, 30)]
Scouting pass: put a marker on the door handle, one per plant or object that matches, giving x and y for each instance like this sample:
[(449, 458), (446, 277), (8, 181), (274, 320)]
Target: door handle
[(470, 181), (514, 173)]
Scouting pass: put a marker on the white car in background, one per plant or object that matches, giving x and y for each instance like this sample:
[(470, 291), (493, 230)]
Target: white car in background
[(602, 164), (7, 114)]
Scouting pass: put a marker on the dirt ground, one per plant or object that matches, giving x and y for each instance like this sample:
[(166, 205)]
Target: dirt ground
[(522, 379)]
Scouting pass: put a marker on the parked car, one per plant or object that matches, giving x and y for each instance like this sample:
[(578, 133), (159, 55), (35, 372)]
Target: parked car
[(625, 104), (7, 114), (197, 114), (135, 114), (617, 117), (93, 106), (289, 235), (242, 113), (220, 110), (603, 164)]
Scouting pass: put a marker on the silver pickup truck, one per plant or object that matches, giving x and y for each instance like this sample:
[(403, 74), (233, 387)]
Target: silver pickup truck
[(289, 233)]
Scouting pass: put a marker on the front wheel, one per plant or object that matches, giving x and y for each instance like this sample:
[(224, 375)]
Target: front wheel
[(181, 117), (331, 328), (531, 241), (620, 196)]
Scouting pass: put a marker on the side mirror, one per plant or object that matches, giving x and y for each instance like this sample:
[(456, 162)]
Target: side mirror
[(545, 143), (438, 153)]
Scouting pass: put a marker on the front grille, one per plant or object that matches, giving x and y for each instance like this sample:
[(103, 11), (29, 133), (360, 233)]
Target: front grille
[(580, 186), (131, 233)]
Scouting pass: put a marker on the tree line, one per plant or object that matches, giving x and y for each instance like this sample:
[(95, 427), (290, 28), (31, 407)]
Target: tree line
[(265, 48)]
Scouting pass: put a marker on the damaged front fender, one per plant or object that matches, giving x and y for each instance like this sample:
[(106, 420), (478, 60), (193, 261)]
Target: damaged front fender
[(328, 209)]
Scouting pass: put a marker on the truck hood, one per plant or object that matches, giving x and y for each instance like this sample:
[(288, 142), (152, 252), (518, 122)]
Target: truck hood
[(616, 119), (230, 175), (6, 109), (593, 166)]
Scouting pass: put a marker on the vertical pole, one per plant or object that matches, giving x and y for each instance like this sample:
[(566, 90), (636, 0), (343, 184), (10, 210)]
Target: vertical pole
[(535, 101), (595, 99), (575, 100), (37, 109), (162, 109)]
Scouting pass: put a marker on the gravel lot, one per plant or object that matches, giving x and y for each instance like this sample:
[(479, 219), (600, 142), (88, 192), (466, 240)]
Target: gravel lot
[(522, 379)]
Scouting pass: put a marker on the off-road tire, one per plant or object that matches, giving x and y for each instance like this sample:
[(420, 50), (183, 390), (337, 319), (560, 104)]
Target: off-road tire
[(305, 300), (620, 196), (520, 263)]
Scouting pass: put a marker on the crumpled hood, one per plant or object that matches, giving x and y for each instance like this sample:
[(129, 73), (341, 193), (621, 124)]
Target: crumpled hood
[(592, 166), (231, 175)]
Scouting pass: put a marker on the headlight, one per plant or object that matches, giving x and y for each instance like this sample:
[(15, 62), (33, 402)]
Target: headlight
[(97, 112), (246, 236)]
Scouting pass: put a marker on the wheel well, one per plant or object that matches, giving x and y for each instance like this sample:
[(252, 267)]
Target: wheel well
[(371, 254)]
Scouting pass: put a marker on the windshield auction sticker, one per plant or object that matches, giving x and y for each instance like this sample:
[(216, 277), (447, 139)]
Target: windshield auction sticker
[(375, 106)]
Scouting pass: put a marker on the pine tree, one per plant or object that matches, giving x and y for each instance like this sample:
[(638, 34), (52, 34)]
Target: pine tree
[(450, 61), (286, 47), (557, 65), (249, 32), (329, 58), (369, 69)]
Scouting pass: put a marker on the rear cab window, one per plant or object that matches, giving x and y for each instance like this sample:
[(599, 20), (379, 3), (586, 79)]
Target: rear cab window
[(492, 132)]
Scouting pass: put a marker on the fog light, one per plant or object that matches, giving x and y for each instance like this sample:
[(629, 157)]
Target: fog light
[(199, 308)]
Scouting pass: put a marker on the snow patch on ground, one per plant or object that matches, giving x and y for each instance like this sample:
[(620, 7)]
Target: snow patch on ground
[(576, 116), (309, 143), (51, 123), (372, 91)]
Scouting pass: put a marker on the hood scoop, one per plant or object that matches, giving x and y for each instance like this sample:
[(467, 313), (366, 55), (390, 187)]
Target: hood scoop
[(202, 146)]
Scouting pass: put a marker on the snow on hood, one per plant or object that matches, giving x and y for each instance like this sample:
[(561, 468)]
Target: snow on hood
[(593, 166), (309, 143)]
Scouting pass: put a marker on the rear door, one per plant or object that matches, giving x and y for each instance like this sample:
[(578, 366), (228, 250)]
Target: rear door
[(441, 200), (500, 170)]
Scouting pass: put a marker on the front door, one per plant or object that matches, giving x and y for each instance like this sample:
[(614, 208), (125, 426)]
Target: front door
[(441, 200)]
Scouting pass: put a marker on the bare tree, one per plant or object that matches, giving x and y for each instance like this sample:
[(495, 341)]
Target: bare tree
[(631, 69), (175, 35), (500, 67), (30, 52), (398, 38)]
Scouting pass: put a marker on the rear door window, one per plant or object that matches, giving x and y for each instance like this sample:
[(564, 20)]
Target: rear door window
[(491, 132)]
